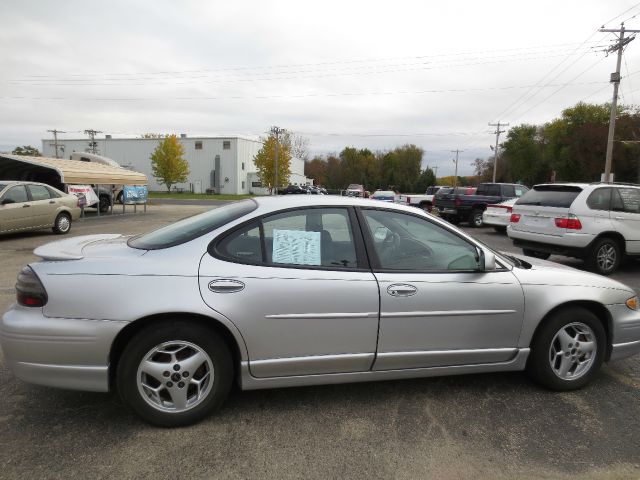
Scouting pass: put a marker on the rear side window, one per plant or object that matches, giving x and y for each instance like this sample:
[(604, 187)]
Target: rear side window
[(39, 192), (626, 200), (600, 199), (561, 196), (508, 191), (192, 227)]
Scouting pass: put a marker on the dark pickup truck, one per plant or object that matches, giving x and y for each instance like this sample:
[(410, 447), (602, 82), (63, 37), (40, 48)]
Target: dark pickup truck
[(456, 208)]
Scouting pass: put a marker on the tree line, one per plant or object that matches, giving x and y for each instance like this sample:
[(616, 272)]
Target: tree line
[(571, 148), (398, 169)]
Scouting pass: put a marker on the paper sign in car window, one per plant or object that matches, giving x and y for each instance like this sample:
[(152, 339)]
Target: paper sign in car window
[(296, 247)]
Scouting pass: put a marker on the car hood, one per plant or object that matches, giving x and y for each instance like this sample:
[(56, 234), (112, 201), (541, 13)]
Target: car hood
[(544, 272), (88, 246)]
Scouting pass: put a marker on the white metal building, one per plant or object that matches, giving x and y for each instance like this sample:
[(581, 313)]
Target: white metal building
[(219, 164)]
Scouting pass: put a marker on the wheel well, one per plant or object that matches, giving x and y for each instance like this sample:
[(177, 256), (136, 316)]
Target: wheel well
[(613, 235), (596, 308), (425, 202), (125, 335), (480, 207)]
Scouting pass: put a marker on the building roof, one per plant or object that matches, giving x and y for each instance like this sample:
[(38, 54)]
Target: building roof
[(14, 167)]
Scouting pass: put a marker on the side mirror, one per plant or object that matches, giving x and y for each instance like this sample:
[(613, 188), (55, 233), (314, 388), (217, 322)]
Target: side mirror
[(7, 201), (486, 260)]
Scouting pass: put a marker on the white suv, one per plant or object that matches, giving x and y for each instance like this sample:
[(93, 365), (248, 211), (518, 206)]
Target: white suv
[(598, 222)]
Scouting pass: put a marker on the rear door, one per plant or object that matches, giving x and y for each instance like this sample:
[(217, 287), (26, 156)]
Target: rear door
[(540, 206), (298, 286), (43, 206), (625, 216)]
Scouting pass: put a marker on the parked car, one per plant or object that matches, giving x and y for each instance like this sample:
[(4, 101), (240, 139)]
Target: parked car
[(598, 222), (384, 195), (470, 207), (355, 190), (36, 206), (445, 192), (421, 201), (302, 291), (292, 190), (498, 215)]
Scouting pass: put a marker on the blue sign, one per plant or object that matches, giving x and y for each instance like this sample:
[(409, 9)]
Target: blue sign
[(134, 194)]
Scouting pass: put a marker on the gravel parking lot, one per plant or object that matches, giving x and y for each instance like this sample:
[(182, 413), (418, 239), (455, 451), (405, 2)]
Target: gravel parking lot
[(483, 426)]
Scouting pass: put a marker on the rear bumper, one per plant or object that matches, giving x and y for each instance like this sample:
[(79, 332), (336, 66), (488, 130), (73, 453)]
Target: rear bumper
[(58, 352), (569, 244), (494, 219)]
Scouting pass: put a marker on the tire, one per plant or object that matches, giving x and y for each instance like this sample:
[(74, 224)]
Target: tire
[(536, 254), (162, 345), (104, 204), (119, 198), (605, 256), (475, 220), (426, 206), (557, 360), (62, 224)]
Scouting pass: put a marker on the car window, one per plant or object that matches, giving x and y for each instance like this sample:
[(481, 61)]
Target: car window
[(600, 199), (18, 194), (192, 227), (561, 196), (407, 242), (315, 237), (520, 190), (508, 191), (626, 200), (39, 192)]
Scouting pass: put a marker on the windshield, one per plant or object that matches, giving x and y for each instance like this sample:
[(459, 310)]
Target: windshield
[(192, 227), (2, 186)]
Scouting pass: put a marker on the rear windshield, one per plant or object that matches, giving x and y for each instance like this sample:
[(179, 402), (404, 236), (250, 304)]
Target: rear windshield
[(192, 227), (561, 196)]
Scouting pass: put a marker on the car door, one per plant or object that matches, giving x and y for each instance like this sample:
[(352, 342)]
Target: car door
[(436, 308), (625, 216), (15, 210), (298, 287), (43, 207)]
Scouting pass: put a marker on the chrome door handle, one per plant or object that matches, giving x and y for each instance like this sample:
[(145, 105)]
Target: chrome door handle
[(226, 286), (52, 201), (26, 205), (401, 290)]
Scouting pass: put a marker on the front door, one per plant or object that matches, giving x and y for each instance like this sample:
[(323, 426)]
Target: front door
[(297, 287), (15, 210), (436, 309)]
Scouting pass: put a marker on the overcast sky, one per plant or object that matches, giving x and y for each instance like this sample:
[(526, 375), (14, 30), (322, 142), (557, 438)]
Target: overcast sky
[(343, 73)]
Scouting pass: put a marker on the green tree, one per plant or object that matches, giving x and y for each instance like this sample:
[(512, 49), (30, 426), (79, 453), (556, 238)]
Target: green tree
[(265, 162), (27, 150), (167, 162), (427, 179), (524, 155)]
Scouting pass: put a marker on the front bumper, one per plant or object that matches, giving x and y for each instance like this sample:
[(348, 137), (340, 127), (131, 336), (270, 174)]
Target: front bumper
[(626, 332), (58, 352)]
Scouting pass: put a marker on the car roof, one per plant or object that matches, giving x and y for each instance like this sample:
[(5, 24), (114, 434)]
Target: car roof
[(273, 203), (563, 184)]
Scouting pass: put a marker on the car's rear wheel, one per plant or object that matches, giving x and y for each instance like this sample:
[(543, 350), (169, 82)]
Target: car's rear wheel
[(62, 224), (476, 219), (104, 204), (536, 254), (605, 256), (175, 373), (568, 350)]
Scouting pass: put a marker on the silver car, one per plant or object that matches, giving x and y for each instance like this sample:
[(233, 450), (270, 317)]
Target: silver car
[(36, 206), (290, 291)]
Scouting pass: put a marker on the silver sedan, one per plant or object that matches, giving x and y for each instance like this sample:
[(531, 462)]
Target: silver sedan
[(290, 291)]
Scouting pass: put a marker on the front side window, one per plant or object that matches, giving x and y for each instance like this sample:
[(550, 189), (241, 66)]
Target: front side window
[(410, 243), (17, 194), (520, 190), (315, 237), (39, 192)]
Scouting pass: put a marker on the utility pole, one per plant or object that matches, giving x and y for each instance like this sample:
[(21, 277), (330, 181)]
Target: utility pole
[(455, 175), (276, 131), (55, 139), (93, 146), (495, 154), (615, 79)]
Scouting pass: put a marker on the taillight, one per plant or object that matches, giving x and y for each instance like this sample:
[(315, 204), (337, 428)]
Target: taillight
[(515, 218), (570, 223), (408, 199), (29, 289)]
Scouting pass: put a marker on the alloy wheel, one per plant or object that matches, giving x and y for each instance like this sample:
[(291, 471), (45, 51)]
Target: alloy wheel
[(573, 351), (606, 257)]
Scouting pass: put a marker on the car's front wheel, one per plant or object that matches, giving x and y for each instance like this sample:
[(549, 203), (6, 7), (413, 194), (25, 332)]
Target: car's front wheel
[(175, 373), (62, 224), (568, 350), (605, 256)]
